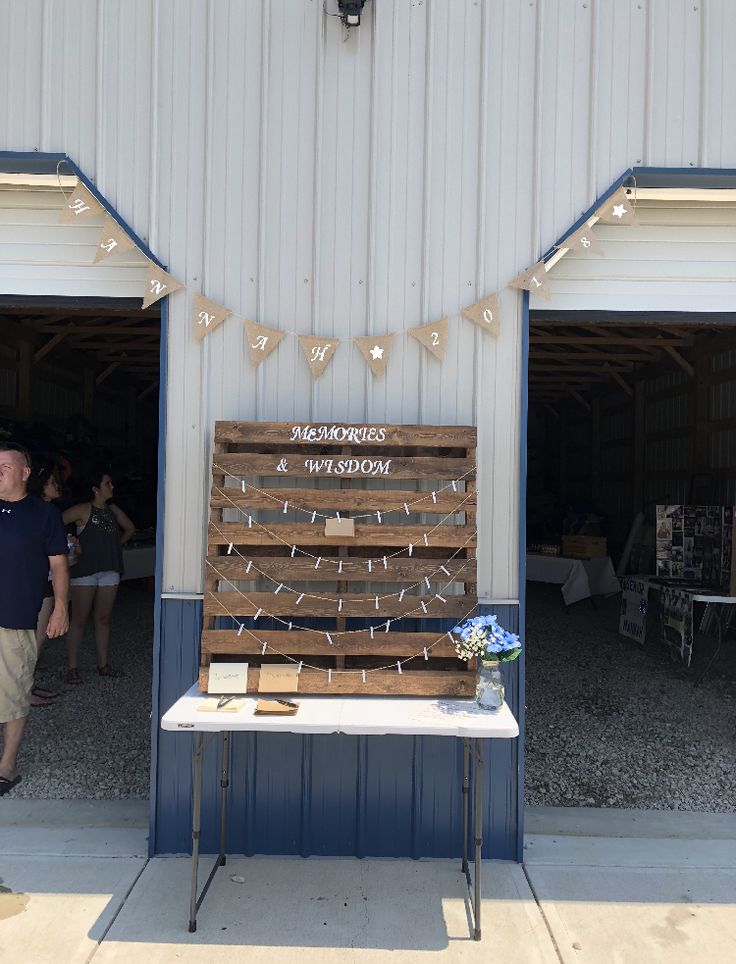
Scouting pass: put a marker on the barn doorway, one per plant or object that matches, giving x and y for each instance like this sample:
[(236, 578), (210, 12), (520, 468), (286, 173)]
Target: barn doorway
[(628, 412), (79, 386)]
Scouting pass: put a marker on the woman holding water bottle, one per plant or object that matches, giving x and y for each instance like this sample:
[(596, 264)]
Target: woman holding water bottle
[(44, 484)]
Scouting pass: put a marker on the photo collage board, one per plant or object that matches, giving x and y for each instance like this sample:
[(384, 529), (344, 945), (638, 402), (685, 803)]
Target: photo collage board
[(694, 543)]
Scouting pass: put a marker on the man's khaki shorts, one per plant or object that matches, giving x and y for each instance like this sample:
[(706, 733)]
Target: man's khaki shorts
[(17, 663)]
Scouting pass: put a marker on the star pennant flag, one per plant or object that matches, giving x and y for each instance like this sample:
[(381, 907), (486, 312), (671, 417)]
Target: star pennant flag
[(261, 340), (208, 315), (158, 284), (112, 240), (433, 336), (80, 204), (484, 314), (618, 209), (318, 352), (533, 279), (583, 240), (376, 352)]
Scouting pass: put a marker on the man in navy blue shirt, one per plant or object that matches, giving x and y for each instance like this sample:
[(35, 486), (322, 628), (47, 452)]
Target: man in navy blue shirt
[(32, 541)]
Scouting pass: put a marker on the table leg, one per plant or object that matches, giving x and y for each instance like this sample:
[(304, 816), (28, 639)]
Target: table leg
[(224, 784), (196, 817), (466, 805), (714, 655), (478, 777)]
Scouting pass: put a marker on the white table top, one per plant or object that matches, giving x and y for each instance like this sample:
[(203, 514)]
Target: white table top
[(355, 715)]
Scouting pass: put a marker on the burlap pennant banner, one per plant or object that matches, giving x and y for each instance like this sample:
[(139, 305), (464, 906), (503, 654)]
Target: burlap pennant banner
[(80, 204), (261, 340), (432, 336), (158, 284), (583, 240), (484, 314), (376, 352), (112, 240), (318, 352), (533, 279), (618, 209), (208, 315)]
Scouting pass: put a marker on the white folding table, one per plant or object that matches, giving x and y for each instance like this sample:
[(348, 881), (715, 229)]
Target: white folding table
[(354, 716)]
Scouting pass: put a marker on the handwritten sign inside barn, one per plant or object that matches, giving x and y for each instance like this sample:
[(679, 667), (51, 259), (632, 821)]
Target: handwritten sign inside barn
[(634, 608)]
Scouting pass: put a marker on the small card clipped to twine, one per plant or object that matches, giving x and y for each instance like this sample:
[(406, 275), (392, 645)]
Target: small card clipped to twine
[(344, 528)]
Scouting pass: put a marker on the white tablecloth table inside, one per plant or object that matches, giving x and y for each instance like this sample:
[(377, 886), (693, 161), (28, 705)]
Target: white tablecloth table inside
[(138, 561), (355, 716), (579, 578)]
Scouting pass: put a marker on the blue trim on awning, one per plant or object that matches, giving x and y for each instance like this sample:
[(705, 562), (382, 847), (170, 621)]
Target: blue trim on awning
[(32, 162), (699, 177)]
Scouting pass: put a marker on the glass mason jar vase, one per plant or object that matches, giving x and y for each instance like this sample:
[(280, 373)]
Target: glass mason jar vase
[(489, 692)]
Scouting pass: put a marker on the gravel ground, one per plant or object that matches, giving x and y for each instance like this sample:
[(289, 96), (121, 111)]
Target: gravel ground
[(610, 724), (94, 742)]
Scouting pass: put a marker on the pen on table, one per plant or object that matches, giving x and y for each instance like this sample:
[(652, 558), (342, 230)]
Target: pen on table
[(288, 703), (223, 701)]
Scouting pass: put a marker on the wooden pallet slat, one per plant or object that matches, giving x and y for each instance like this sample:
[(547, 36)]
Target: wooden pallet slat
[(285, 568), (228, 603), (304, 534), (382, 682), (330, 470), (336, 466), (372, 500), (384, 436)]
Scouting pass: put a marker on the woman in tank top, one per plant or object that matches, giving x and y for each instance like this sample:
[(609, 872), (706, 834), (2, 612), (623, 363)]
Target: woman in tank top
[(102, 530)]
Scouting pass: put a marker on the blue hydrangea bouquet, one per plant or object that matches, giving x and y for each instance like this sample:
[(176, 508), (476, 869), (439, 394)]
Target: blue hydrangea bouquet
[(482, 636)]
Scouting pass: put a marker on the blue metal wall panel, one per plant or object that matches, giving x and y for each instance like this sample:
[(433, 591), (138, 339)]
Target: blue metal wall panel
[(326, 795), (180, 622)]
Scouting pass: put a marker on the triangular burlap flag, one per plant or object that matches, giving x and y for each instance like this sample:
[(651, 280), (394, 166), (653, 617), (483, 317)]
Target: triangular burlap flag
[(433, 336), (484, 314), (112, 239), (158, 284), (533, 279), (583, 240), (261, 340), (81, 203), (376, 352), (618, 209), (318, 352), (208, 315)]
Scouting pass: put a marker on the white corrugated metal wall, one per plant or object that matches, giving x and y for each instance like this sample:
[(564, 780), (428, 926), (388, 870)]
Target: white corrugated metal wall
[(360, 186)]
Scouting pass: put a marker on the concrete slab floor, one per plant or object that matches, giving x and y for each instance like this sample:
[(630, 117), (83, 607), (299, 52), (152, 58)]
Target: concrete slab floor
[(610, 915), (596, 888), (93, 828), (55, 910), (327, 910)]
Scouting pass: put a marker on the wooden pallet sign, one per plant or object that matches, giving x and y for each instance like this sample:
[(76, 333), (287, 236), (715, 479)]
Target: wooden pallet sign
[(328, 543)]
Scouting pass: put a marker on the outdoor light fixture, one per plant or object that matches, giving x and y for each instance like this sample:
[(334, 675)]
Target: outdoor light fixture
[(350, 11)]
